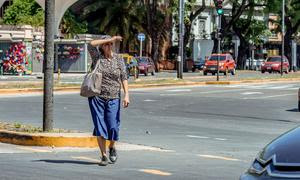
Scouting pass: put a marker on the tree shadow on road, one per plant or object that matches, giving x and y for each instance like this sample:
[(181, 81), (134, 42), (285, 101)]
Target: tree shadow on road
[(67, 162)]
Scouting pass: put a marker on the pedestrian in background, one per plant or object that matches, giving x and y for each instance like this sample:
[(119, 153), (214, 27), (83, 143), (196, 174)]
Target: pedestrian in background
[(105, 108)]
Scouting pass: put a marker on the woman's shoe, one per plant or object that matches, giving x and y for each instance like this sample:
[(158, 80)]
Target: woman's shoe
[(104, 161), (113, 156)]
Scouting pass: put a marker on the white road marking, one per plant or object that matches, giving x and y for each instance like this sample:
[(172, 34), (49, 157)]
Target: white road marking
[(170, 94), (149, 100), (220, 139), (218, 157), (179, 90), (251, 93), (199, 137), (266, 97), (155, 172), (222, 91)]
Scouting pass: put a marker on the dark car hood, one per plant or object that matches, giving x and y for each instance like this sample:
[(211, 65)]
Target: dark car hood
[(285, 148)]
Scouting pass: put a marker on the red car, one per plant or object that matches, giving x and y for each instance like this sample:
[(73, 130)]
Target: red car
[(146, 65), (226, 64), (273, 64)]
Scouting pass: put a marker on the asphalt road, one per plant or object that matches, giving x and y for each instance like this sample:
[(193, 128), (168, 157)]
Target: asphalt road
[(206, 132)]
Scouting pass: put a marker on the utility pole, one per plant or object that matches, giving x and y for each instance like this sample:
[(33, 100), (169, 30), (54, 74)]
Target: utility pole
[(48, 65), (219, 46), (220, 12), (282, 36), (181, 39)]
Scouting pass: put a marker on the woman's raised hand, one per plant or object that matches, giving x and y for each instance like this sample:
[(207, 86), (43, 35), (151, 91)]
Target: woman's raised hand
[(117, 38)]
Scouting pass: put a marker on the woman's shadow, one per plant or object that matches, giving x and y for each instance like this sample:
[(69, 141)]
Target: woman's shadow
[(67, 162)]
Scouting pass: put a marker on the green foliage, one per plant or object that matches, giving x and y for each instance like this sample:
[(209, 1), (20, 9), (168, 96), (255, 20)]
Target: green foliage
[(116, 17), (71, 25), (256, 32), (24, 12), (292, 13)]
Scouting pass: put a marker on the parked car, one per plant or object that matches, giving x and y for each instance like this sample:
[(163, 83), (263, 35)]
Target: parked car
[(198, 64), (146, 65), (273, 64), (254, 64), (226, 64), (280, 159)]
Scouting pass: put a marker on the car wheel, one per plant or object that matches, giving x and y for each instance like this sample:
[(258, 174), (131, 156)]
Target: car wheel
[(262, 71), (204, 73), (153, 73), (233, 72), (213, 74), (194, 69)]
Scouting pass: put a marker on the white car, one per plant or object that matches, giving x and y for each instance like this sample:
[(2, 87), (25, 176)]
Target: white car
[(254, 64)]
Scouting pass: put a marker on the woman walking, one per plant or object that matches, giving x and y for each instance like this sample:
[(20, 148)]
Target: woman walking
[(105, 108)]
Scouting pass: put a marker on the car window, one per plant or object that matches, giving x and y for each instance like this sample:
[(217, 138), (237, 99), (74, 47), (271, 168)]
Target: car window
[(215, 58), (274, 59)]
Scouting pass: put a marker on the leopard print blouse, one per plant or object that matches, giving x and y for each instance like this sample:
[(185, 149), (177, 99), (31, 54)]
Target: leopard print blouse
[(113, 73)]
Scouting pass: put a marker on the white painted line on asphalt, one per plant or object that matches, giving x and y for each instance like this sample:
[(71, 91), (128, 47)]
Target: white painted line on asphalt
[(222, 91), (170, 94), (218, 157), (155, 172), (149, 100), (251, 93), (220, 139), (199, 137), (266, 97), (179, 90)]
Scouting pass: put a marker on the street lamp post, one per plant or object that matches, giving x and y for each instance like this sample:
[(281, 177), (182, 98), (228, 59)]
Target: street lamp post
[(282, 38), (48, 66), (181, 39)]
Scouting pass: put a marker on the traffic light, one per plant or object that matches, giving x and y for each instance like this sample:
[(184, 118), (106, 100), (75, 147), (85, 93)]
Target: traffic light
[(219, 7)]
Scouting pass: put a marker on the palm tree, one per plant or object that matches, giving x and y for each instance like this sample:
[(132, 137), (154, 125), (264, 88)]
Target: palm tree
[(115, 17)]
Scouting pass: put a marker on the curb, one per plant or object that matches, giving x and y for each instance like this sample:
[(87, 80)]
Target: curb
[(85, 140)]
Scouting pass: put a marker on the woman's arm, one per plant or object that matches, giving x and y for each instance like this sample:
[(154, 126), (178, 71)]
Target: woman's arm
[(126, 93), (99, 42)]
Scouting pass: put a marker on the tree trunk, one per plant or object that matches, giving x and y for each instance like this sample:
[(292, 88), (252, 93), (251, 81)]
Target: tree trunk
[(155, 49), (243, 51)]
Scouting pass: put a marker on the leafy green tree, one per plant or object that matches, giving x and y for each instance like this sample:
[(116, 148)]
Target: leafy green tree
[(71, 25), (158, 25), (243, 23), (122, 17), (191, 11), (292, 21), (24, 12)]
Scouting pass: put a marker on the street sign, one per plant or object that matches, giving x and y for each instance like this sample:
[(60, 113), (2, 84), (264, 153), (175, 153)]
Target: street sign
[(141, 37)]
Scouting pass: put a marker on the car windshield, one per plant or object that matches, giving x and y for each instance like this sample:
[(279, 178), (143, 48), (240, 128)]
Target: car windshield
[(274, 59), (215, 58), (143, 60)]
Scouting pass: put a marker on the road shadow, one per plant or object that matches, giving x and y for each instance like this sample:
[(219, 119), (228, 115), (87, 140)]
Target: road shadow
[(66, 162), (293, 110)]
